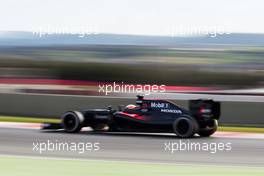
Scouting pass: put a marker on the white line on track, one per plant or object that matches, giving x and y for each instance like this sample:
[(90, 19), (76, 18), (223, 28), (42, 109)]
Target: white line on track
[(20, 125)]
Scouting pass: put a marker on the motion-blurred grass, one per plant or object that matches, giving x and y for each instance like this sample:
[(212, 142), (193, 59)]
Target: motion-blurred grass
[(13, 166), (27, 119)]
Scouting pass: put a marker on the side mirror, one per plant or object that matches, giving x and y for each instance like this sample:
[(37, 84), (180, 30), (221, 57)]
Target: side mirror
[(139, 100), (140, 97), (109, 108)]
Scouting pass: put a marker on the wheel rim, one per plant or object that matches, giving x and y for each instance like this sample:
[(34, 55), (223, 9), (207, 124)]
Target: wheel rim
[(183, 127), (69, 121)]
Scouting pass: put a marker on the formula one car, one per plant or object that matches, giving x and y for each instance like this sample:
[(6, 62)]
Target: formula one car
[(152, 116)]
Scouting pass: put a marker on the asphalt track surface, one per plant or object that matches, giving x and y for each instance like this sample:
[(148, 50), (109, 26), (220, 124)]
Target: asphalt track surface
[(133, 147)]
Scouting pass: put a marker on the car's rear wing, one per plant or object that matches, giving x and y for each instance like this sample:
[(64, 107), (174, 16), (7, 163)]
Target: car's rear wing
[(205, 108)]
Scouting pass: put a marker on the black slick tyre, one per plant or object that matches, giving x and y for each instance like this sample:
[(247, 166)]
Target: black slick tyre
[(209, 129), (185, 127), (72, 121)]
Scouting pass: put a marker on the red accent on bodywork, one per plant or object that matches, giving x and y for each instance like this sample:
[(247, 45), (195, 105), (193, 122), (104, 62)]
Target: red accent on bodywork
[(134, 116), (201, 110)]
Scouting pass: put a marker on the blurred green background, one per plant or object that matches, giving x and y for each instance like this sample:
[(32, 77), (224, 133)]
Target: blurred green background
[(216, 65)]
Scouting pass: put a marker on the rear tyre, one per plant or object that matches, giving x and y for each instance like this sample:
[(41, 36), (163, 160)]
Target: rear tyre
[(72, 121), (209, 129), (185, 126)]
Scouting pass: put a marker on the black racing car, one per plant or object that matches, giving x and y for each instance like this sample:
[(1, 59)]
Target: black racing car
[(157, 116)]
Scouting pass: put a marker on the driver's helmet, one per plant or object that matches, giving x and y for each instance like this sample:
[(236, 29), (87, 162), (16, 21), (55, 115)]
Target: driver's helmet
[(131, 106)]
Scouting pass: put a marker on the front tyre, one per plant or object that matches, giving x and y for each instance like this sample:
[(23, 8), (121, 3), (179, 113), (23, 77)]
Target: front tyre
[(185, 126), (209, 129), (72, 121)]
